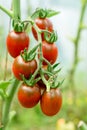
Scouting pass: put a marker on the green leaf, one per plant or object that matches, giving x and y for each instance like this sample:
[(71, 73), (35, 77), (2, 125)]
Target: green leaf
[(35, 14), (31, 57), (1, 128), (49, 68), (82, 126), (4, 84), (57, 71), (33, 50), (52, 13), (43, 13), (56, 65), (12, 114)]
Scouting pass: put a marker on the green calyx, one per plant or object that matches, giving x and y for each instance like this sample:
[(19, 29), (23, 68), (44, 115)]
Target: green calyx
[(44, 13), (51, 37), (18, 26), (28, 56), (52, 73), (31, 81)]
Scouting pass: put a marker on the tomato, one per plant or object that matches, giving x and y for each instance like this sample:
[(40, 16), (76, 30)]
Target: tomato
[(29, 96), (19, 67), (44, 24), (16, 42), (51, 102), (50, 52)]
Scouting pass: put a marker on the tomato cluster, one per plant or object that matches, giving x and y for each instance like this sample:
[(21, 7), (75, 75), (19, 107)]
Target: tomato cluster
[(35, 73)]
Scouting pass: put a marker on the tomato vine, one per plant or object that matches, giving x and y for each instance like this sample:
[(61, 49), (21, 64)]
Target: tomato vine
[(29, 65)]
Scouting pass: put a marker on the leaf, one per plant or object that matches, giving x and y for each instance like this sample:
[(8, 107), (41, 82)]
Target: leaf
[(55, 65), (35, 14), (82, 126), (31, 57), (52, 13), (44, 13), (1, 127), (12, 114), (57, 71), (33, 50), (49, 68), (4, 84)]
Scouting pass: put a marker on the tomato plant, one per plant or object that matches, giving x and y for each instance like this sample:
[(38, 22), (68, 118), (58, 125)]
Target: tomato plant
[(35, 79), (21, 67), (29, 96), (17, 42), (51, 102)]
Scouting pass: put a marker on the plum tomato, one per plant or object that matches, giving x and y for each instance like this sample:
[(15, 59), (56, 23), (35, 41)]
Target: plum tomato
[(51, 102), (17, 42), (44, 24), (20, 67), (29, 96), (50, 52)]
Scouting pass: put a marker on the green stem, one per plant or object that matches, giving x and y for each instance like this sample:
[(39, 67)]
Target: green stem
[(79, 33), (45, 81), (16, 9), (41, 55), (8, 12), (76, 43), (7, 103), (13, 87), (48, 63)]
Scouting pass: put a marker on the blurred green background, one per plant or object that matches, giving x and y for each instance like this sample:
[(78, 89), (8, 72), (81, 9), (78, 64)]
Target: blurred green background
[(74, 102)]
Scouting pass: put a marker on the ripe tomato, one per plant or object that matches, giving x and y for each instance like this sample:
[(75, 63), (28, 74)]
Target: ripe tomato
[(50, 52), (51, 102), (25, 68), (16, 42), (29, 96), (44, 24)]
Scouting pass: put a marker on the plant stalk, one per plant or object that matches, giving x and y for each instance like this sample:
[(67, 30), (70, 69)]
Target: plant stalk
[(7, 103), (76, 43), (8, 12), (11, 91)]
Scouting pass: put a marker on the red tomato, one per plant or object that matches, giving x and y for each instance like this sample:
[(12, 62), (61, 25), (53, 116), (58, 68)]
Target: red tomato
[(29, 96), (44, 24), (25, 68), (51, 102), (50, 52), (16, 42)]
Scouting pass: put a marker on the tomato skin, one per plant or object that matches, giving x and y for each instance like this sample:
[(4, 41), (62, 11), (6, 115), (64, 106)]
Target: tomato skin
[(44, 24), (51, 102), (21, 67), (50, 52), (29, 96), (16, 42)]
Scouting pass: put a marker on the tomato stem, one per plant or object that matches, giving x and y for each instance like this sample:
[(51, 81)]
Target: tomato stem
[(76, 45), (7, 103), (40, 53), (8, 12), (16, 10)]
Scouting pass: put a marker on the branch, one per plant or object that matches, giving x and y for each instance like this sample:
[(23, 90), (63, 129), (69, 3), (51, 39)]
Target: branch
[(8, 12)]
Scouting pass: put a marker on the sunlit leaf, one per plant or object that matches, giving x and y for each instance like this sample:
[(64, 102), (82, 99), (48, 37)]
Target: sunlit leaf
[(4, 84)]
